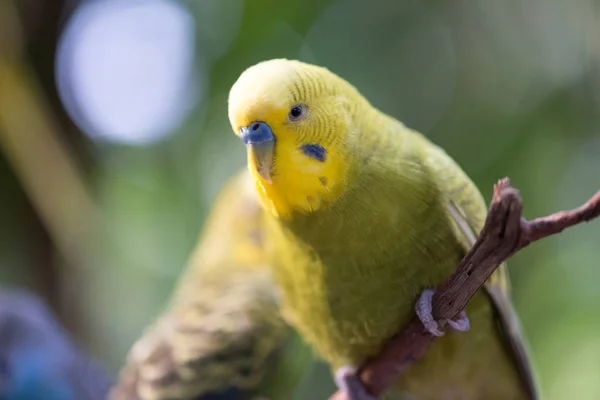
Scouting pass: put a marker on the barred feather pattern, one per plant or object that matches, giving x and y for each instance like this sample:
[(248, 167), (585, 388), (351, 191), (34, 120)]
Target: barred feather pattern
[(223, 338), (223, 324)]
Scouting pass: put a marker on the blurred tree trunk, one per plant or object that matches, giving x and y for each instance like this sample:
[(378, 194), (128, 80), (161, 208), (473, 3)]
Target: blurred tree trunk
[(41, 23)]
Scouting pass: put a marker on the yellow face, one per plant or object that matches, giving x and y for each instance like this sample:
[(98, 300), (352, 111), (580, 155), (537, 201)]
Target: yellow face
[(293, 118)]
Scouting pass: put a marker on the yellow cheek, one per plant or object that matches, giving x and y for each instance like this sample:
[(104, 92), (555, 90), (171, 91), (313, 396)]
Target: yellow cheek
[(306, 165), (301, 183)]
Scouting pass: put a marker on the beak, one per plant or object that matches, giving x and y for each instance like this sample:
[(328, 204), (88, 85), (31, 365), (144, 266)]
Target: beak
[(260, 141)]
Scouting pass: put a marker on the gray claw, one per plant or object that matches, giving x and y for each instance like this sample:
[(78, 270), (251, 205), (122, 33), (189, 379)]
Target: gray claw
[(348, 382), (423, 309)]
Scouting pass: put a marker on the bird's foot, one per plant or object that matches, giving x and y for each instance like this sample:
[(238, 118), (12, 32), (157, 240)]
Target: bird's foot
[(423, 310), (348, 382)]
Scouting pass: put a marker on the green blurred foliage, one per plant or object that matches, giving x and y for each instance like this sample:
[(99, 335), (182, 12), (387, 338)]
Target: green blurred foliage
[(508, 88)]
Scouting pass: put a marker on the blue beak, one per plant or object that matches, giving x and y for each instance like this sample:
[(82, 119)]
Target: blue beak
[(260, 141)]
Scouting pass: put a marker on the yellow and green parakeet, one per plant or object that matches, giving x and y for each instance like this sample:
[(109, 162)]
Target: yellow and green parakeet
[(364, 216), (222, 337)]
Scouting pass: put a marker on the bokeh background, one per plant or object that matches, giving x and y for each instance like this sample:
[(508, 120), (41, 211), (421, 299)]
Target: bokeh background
[(114, 140)]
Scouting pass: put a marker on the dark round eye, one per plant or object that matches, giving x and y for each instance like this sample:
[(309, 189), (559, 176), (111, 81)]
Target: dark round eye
[(297, 112)]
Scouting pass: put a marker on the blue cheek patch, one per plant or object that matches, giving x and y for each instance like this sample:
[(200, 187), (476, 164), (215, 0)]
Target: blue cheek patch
[(315, 151)]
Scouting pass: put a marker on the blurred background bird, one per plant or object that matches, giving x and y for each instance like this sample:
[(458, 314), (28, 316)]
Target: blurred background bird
[(38, 359), (222, 335)]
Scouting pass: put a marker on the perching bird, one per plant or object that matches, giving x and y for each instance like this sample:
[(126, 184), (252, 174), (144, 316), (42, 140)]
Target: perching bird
[(365, 215), (38, 360), (222, 337)]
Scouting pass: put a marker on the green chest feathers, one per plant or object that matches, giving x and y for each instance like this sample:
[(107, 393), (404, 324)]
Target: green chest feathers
[(350, 274)]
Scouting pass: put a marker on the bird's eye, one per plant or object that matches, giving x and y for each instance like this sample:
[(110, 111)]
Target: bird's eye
[(297, 112)]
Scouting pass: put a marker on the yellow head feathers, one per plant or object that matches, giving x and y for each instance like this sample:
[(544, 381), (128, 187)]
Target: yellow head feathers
[(297, 121)]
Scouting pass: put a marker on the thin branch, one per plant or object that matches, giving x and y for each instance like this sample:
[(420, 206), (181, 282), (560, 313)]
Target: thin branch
[(505, 232)]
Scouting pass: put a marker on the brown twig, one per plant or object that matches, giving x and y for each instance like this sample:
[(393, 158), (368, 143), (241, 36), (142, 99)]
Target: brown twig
[(505, 232)]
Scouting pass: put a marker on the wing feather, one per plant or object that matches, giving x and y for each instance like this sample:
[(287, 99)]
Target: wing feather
[(467, 208)]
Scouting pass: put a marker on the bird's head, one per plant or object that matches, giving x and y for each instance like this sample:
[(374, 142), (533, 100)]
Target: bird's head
[(297, 122)]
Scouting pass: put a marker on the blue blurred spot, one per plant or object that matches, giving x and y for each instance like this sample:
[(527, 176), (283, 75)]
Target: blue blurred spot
[(34, 375)]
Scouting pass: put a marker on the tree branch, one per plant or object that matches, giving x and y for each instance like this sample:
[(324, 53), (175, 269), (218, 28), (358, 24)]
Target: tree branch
[(505, 232)]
